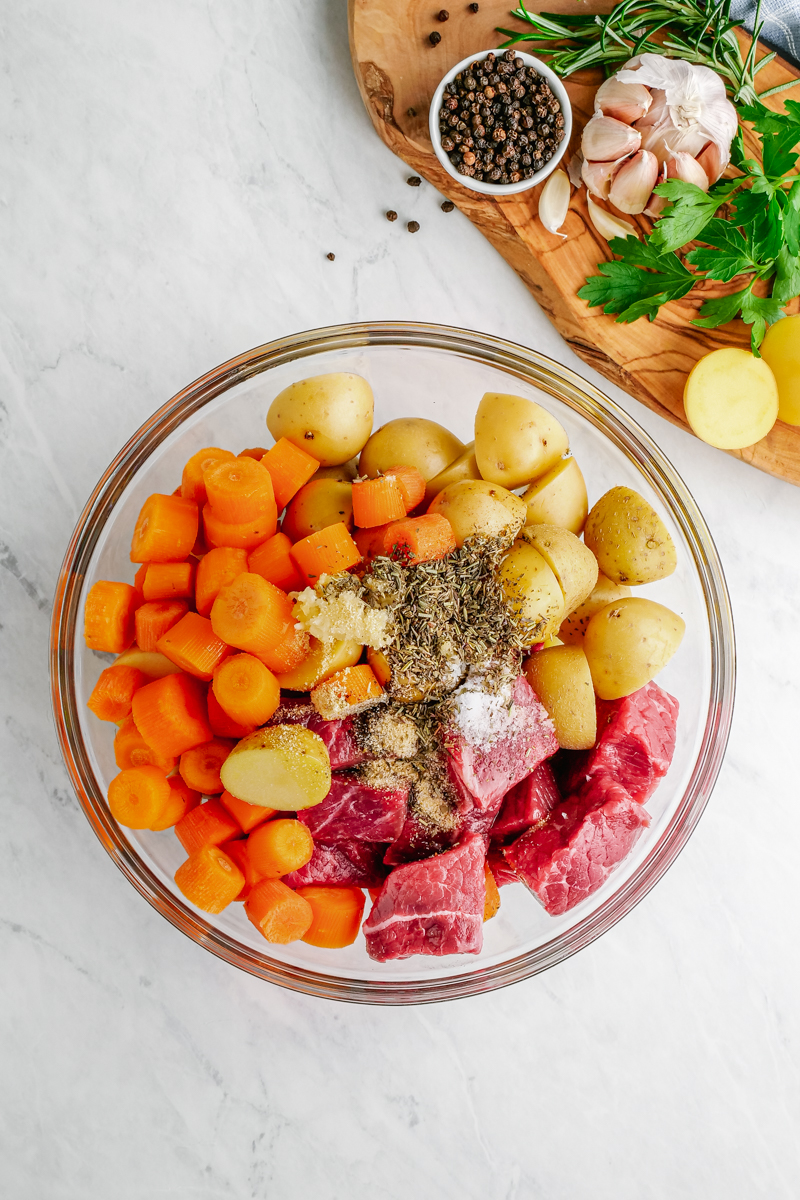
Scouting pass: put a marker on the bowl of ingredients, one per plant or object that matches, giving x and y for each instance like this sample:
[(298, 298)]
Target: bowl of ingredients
[(500, 122), (392, 663)]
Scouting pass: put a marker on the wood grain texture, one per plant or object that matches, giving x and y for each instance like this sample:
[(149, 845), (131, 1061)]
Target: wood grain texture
[(397, 70)]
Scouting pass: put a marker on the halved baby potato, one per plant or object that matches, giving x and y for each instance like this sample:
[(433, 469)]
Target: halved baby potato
[(328, 416), (516, 440), (319, 504), (572, 563), (461, 468), (532, 590), (561, 678), (411, 442), (731, 398), (558, 497), (324, 660), (628, 642), (285, 767), (628, 538), (573, 629), (475, 506)]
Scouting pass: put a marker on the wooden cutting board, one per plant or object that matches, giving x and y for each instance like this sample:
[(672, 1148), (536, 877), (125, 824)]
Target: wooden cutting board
[(398, 70)]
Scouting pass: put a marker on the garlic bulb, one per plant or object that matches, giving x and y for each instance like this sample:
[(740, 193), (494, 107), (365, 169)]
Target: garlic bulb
[(606, 139), (633, 183), (607, 225), (624, 101), (554, 202)]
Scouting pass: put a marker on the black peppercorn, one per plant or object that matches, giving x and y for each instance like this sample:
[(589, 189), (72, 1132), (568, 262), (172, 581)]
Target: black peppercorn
[(473, 8), (331, 256), (413, 181), (434, 38), (412, 112), (444, 15), (391, 215), (448, 206), (412, 226)]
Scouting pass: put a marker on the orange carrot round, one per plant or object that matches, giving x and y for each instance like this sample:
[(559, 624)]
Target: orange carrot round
[(193, 646), (171, 714), (337, 915), (113, 693), (293, 650), (347, 691), (237, 852), (182, 799), (108, 619), (278, 847), (138, 797), (370, 541), (246, 690), (155, 618), (420, 539), (166, 530), (209, 879), (169, 581), (277, 912), (411, 483), (216, 568), (245, 535), (200, 766), (248, 815), (252, 614), (376, 501), (209, 824), (221, 724), (328, 552), (239, 490), (253, 452), (192, 483), (290, 467), (273, 560), (131, 750)]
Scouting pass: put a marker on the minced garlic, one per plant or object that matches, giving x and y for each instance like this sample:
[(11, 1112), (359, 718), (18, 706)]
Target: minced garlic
[(342, 616)]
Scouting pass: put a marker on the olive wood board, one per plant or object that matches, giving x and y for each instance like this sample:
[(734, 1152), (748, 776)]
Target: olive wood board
[(398, 70)]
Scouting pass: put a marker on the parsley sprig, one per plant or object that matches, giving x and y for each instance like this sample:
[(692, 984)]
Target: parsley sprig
[(757, 239)]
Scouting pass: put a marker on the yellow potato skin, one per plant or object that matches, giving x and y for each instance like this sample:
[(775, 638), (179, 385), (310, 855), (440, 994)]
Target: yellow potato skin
[(475, 506), (573, 628), (780, 349), (410, 442), (318, 504), (628, 642), (628, 538), (532, 590), (731, 398), (461, 468), (324, 660), (344, 472), (563, 682), (329, 416), (572, 563), (558, 498), (516, 440), (285, 767)]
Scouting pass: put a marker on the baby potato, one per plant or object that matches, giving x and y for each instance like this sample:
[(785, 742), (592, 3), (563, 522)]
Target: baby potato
[(573, 629), (475, 506), (318, 504), (731, 398), (344, 472), (461, 468), (328, 416), (410, 442), (516, 440), (628, 642), (532, 590), (285, 767), (558, 498), (629, 539), (325, 659), (780, 349), (563, 682), (572, 563)]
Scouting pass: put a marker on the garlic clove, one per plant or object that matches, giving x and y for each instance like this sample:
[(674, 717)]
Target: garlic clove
[(657, 204), (710, 160), (606, 139), (554, 202), (574, 168), (656, 111), (633, 183), (598, 176), (626, 102), (607, 225), (683, 166)]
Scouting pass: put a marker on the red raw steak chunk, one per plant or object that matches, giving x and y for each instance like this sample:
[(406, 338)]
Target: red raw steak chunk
[(528, 802), (635, 743), (431, 907), (338, 736), (501, 869), (350, 864), (418, 841), (482, 774), (352, 811), (567, 859)]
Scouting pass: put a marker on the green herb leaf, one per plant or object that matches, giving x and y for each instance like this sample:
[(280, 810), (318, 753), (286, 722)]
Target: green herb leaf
[(791, 219), (719, 312), (759, 312), (639, 284), (689, 213), (765, 232), (787, 277), (727, 253)]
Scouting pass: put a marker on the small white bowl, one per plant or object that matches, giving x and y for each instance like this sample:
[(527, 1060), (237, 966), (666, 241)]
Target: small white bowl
[(501, 189)]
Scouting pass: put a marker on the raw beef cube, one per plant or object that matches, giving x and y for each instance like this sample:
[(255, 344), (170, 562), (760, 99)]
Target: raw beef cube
[(528, 802), (635, 743), (338, 736), (352, 811), (419, 839), (350, 864), (567, 859), (487, 757), (431, 907), (500, 867)]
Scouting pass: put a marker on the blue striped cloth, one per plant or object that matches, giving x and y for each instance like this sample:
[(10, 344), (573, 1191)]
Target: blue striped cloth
[(781, 23)]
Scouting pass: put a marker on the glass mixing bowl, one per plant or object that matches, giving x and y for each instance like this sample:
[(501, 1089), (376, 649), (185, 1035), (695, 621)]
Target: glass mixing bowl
[(440, 373)]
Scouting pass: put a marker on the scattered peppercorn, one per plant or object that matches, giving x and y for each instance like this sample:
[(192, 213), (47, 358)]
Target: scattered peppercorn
[(434, 38), (412, 226), (444, 15), (391, 215), (413, 181), (499, 120), (331, 256), (448, 206), (412, 112)]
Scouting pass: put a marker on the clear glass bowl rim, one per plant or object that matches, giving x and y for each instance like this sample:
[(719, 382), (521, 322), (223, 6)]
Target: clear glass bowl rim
[(584, 398)]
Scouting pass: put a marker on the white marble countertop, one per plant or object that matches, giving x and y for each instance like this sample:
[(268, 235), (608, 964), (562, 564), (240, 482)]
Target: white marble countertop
[(170, 186)]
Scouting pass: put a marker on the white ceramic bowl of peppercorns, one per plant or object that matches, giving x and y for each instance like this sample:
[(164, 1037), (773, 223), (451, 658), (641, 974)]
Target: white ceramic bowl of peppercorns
[(500, 122)]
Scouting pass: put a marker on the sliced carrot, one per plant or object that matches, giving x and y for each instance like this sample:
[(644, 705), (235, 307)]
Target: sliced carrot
[(166, 530), (248, 815), (492, 902), (289, 654), (370, 541), (215, 569), (138, 797), (347, 691), (280, 846), (192, 483), (420, 539), (239, 490), (138, 580), (131, 750), (328, 552), (252, 614), (273, 560), (182, 800), (209, 879), (411, 483), (246, 690), (108, 619), (221, 724), (155, 618), (237, 852), (337, 915), (207, 825), (277, 912), (200, 767), (253, 452), (113, 693), (290, 468), (169, 581), (171, 714), (376, 501), (246, 535), (192, 644)]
